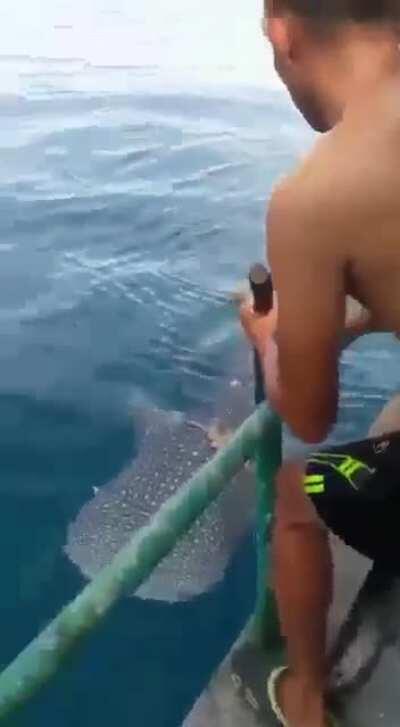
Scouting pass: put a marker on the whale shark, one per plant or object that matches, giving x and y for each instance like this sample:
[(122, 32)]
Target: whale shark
[(172, 446)]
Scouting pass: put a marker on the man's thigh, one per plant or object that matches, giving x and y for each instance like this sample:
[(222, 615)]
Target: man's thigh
[(388, 420), (293, 506)]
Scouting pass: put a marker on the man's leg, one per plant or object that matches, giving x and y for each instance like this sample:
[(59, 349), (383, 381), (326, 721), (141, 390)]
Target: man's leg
[(303, 583)]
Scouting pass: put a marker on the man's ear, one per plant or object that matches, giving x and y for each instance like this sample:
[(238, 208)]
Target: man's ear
[(278, 34)]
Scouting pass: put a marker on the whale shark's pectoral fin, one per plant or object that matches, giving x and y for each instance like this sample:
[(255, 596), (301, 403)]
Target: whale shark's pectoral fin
[(197, 425)]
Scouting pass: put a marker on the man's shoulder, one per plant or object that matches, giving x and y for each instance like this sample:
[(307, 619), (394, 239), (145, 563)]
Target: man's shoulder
[(317, 175), (317, 200), (302, 205)]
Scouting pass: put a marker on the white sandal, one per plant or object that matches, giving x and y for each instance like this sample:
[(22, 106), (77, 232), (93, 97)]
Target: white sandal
[(272, 687)]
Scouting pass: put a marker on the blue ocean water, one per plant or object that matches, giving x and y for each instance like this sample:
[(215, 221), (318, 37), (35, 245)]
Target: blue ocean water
[(135, 172)]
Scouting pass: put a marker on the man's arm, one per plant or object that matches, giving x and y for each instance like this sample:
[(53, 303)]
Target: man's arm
[(301, 361)]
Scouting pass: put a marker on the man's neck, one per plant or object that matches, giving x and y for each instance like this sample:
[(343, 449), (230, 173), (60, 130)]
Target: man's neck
[(356, 69)]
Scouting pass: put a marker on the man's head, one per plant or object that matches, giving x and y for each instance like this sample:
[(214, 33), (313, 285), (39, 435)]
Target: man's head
[(308, 35)]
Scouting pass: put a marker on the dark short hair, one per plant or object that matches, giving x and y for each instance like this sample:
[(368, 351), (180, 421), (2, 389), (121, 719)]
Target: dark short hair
[(358, 11)]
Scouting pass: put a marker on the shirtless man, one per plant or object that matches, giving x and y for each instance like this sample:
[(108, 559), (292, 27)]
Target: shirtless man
[(333, 229)]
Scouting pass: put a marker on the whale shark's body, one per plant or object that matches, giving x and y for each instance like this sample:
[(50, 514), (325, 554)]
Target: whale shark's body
[(172, 447)]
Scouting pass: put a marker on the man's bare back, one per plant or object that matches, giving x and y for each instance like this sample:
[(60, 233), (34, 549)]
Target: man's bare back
[(350, 185), (333, 229)]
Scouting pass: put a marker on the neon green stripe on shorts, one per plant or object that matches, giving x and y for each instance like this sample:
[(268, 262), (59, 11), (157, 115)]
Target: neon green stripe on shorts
[(314, 484)]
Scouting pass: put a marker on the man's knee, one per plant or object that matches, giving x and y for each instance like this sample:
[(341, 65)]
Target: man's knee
[(293, 506)]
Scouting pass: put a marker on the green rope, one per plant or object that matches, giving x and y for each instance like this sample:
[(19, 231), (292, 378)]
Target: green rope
[(132, 566)]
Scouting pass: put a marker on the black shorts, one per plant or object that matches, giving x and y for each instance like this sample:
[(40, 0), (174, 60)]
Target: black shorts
[(355, 489)]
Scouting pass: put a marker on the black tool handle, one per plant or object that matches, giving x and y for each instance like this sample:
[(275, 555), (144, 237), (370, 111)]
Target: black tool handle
[(262, 288), (261, 285)]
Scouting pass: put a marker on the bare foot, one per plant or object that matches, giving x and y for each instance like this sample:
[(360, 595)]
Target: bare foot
[(302, 705), (218, 435)]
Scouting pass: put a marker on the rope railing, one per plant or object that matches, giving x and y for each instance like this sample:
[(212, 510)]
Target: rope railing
[(265, 625), (44, 656)]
